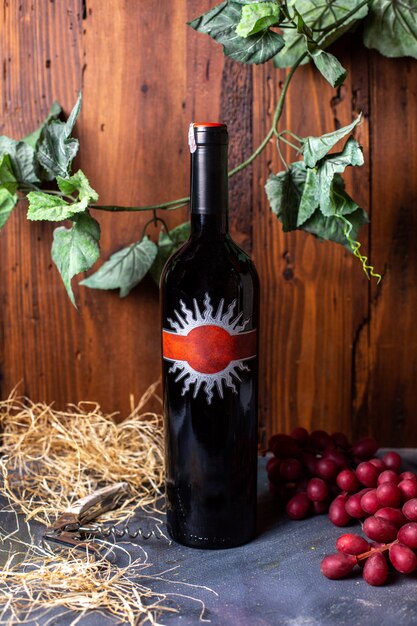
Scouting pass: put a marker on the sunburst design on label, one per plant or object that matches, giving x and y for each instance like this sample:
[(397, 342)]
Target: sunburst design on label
[(208, 349)]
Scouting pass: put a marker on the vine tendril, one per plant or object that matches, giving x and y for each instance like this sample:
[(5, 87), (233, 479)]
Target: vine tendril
[(355, 247)]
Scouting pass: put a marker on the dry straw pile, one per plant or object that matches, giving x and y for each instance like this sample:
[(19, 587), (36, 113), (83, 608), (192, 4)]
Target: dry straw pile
[(51, 458)]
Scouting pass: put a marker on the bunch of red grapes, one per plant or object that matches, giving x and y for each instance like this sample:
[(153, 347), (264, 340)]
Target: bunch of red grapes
[(314, 473)]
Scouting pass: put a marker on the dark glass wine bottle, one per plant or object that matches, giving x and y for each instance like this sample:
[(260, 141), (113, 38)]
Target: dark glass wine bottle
[(210, 315)]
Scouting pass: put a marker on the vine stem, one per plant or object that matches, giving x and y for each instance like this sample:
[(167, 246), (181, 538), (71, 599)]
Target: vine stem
[(174, 204)]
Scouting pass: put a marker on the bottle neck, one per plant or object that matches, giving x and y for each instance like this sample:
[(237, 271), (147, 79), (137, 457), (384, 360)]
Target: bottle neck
[(216, 225), (209, 190)]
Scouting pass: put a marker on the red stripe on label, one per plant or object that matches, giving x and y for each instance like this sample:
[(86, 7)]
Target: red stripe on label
[(208, 349)]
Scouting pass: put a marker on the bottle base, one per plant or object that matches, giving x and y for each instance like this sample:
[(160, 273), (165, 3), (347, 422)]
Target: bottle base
[(208, 543)]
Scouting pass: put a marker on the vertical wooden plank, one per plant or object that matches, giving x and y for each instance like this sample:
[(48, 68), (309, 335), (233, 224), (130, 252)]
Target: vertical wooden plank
[(41, 61), (392, 328), (236, 112), (308, 287), (134, 133)]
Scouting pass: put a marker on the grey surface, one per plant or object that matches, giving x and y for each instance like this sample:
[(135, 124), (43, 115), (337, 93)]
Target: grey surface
[(275, 580)]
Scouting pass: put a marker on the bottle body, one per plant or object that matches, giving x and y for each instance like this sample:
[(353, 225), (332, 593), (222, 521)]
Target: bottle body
[(210, 316)]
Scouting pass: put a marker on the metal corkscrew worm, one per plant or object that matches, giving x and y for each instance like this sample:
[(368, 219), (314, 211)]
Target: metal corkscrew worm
[(107, 531), (73, 528)]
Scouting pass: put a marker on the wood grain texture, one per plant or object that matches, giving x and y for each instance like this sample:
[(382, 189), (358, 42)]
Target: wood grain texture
[(313, 294), (393, 305), (337, 351)]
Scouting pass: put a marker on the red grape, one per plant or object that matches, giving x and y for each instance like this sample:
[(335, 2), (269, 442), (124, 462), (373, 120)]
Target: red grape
[(274, 473), (365, 448), (379, 464), (367, 474), (347, 481), (352, 544), (309, 461), (317, 489), (284, 446), (291, 469), (408, 489), (298, 507), (337, 456), (320, 440), (375, 571), (353, 505), (388, 476), (337, 511), (379, 529), (319, 508), (408, 476), (393, 461), (394, 516), (408, 535), (326, 469), (338, 565), (403, 558), (389, 495), (370, 503), (341, 440), (410, 510), (300, 434), (271, 463)]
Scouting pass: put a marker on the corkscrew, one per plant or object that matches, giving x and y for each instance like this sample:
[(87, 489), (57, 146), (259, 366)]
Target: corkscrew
[(73, 527)]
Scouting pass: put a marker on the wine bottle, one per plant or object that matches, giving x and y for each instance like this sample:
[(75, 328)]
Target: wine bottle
[(210, 314)]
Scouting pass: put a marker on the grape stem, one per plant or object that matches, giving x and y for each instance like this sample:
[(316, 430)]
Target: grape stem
[(381, 549)]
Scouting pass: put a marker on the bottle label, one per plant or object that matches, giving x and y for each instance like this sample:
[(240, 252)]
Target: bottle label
[(208, 348)]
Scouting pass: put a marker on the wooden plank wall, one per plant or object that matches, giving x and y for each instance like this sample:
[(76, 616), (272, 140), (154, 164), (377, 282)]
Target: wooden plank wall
[(337, 352)]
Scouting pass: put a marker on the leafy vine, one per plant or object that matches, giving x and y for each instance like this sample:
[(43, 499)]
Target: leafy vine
[(308, 194)]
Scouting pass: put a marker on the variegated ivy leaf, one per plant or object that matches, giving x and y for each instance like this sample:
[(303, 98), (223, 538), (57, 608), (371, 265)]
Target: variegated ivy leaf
[(77, 183), (58, 149), (328, 65), (76, 249), (22, 159), (125, 268), (33, 138), (44, 206), (336, 163), (168, 244), (294, 196), (8, 201), (257, 16), (391, 27), (221, 23), (319, 15), (315, 148)]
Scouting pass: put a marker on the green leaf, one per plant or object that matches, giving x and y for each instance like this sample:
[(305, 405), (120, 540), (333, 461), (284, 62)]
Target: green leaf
[(7, 177), (7, 203), (391, 27), (310, 198), (44, 206), (76, 249), (125, 268), (332, 227), (221, 23), (167, 245), (58, 148), (80, 183), (318, 14), (33, 138), (336, 163), (315, 148), (257, 16), (300, 207), (284, 191), (328, 66), (22, 159)]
